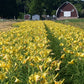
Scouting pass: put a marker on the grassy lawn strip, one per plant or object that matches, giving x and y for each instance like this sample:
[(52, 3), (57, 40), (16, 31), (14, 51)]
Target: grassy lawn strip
[(74, 22), (54, 44)]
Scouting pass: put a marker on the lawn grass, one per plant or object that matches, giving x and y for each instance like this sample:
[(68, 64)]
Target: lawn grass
[(74, 22)]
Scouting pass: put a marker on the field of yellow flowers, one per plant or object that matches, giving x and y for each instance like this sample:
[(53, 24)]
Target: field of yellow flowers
[(42, 52), (69, 49)]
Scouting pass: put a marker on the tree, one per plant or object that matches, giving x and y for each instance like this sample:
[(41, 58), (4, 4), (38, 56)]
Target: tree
[(35, 7), (11, 8), (7, 8)]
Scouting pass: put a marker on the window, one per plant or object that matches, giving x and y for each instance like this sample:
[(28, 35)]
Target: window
[(67, 13)]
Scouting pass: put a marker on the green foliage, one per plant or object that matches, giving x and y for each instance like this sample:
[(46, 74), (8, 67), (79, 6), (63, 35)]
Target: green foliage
[(21, 15), (53, 12), (79, 8), (35, 7), (9, 8)]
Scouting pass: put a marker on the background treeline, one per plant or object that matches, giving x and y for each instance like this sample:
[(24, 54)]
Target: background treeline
[(17, 8)]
